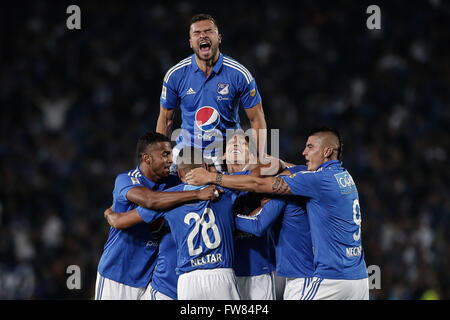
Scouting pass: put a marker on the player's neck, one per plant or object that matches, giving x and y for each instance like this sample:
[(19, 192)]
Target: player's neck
[(149, 174), (207, 65)]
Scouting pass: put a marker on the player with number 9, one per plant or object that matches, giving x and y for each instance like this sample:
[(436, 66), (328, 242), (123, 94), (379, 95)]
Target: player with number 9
[(333, 213)]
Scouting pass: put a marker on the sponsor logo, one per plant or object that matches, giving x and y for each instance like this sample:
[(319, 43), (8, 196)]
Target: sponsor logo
[(207, 118), (252, 92), (345, 182), (164, 92), (190, 91)]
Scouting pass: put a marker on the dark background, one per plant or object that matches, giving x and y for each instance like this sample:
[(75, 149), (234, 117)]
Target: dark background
[(74, 102)]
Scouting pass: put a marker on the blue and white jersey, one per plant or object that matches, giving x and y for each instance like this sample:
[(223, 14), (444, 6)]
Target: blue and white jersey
[(129, 255), (288, 219), (253, 254), (335, 220), (164, 278), (203, 231), (209, 105)]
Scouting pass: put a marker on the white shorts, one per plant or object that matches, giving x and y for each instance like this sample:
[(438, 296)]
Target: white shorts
[(208, 284), (261, 287), (107, 289), (152, 294), (331, 289), (295, 288)]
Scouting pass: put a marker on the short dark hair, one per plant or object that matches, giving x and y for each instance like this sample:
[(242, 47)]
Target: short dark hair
[(187, 157), (334, 132), (203, 16), (146, 140)]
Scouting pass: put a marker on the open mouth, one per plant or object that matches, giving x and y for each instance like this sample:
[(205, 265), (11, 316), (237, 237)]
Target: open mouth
[(205, 46)]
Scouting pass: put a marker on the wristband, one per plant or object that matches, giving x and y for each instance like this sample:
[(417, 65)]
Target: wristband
[(219, 178)]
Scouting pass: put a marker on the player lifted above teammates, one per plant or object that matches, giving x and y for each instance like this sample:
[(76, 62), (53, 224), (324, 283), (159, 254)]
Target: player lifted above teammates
[(208, 86), (333, 212)]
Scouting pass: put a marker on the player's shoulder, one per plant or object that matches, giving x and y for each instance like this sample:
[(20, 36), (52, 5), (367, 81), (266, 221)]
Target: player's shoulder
[(233, 66), (133, 176), (178, 68)]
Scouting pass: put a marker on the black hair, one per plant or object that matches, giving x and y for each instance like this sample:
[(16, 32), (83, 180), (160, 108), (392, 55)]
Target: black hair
[(333, 131), (146, 140), (202, 17)]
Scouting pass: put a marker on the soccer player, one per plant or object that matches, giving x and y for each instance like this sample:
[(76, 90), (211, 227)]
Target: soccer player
[(127, 262), (208, 87), (333, 211), (203, 233), (254, 261), (294, 253), (163, 285)]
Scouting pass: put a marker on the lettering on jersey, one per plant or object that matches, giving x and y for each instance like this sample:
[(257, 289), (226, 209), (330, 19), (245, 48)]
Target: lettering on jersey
[(209, 258), (164, 92), (151, 243), (353, 251), (345, 182), (223, 88), (135, 180)]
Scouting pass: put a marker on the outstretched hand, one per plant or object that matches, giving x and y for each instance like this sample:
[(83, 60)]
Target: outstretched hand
[(198, 177)]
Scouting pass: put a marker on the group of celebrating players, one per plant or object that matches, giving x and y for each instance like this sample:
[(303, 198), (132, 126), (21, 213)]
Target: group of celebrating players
[(197, 222)]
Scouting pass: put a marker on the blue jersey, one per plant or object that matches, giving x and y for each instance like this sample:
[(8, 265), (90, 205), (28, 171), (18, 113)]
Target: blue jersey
[(209, 105), (164, 278), (129, 255), (253, 254), (203, 231), (293, 246), (334, 218)]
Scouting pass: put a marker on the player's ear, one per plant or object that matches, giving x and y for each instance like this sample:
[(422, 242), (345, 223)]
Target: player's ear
[(220, 38), (328, 151)]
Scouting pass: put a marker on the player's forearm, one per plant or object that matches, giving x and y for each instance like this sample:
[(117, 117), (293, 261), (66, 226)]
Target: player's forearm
[(123, 220), (241, 182), (164, 124), (166, 200)]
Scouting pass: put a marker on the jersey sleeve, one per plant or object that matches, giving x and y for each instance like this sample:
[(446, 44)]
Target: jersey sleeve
[(295, 169), (169, 96), (303, 183), (123, 184), (249, 94), (148, 215), (259, 223)]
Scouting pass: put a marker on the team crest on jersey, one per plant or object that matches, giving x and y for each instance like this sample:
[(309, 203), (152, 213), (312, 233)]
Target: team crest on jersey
[(223, 88), (207, 118)]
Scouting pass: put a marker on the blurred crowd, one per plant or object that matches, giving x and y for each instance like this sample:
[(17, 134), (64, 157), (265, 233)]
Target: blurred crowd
[(74, 102)]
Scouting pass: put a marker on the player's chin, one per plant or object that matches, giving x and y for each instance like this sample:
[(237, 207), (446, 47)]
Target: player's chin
[(165, 172)]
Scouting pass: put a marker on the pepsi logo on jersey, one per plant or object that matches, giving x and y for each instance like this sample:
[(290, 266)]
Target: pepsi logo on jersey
[(207, 118)]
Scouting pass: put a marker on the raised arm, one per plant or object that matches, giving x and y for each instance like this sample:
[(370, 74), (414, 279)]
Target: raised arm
[(165, 121), (277, 185), (157, 200)]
